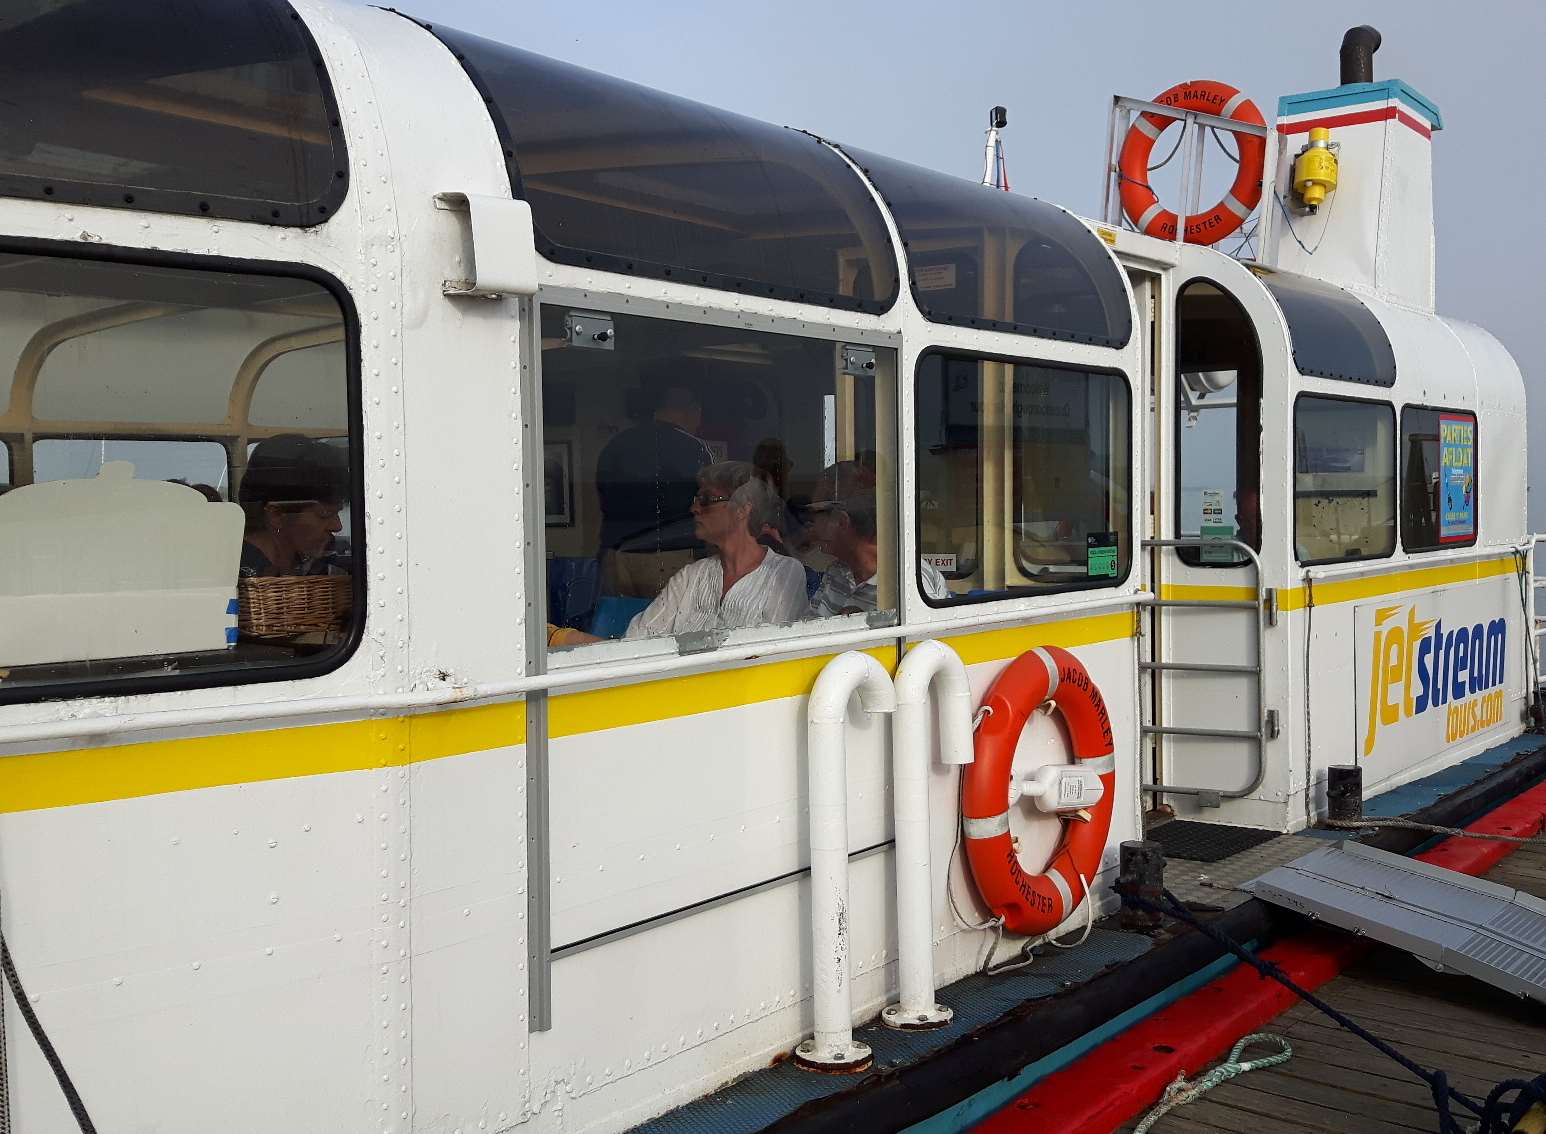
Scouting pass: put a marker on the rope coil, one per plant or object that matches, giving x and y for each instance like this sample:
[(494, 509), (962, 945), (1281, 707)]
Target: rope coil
[(1185, 1090)]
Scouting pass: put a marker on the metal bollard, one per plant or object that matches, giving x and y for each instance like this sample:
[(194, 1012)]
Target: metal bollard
[(1141, 873), (1344, 792)]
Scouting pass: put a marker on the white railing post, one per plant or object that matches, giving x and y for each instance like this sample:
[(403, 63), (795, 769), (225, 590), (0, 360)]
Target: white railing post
[(833, 1047), (927, 664)]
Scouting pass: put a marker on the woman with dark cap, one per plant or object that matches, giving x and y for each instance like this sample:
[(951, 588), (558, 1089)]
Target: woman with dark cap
[(292, 492)]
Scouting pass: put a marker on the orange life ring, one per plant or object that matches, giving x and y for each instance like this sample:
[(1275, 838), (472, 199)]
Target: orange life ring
[(1141, 203), (1036, 903)]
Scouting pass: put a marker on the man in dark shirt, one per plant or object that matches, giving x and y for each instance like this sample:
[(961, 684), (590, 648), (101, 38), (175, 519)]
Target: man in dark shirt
[(646, 477)]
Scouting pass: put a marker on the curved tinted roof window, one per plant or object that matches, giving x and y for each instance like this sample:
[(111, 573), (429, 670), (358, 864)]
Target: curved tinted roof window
[(1050, 275), (1332, 333), (219, 108), (628, 179)]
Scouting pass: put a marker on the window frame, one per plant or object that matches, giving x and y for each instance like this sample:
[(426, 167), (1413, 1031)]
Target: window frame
[(602, 300), (229, 676), (1395, 472), (1188, 555), (1019, 591), (865, 161), (557, 251), (1476, 463), (1317, 289), (214, 207)]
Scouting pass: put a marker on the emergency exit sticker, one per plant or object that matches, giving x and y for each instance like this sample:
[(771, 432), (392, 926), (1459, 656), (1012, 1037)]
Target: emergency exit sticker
[(1101, 555), (934, 277)]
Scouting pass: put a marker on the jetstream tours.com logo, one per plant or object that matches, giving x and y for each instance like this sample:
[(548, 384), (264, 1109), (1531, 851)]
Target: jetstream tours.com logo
[(1416, 665)]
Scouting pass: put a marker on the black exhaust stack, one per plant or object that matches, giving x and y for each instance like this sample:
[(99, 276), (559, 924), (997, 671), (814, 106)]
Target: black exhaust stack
[(1358, 48)]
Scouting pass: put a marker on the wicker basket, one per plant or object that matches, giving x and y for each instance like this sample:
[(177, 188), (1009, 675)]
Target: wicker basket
[(283, 606)]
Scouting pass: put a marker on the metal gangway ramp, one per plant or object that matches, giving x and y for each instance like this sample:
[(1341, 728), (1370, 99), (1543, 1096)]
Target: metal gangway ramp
[(1448, 920)]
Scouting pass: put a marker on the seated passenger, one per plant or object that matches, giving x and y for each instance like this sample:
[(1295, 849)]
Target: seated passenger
[(742, 583), (292, 492), (645, 479), (842, 521)]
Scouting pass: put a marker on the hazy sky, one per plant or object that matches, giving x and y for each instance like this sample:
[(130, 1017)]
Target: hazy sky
[(915, 81)]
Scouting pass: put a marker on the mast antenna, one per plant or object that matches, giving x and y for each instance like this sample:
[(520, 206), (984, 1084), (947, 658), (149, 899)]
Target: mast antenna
[(995, 174)]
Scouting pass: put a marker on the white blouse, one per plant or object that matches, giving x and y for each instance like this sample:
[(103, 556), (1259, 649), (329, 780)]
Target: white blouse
[(695, 598)]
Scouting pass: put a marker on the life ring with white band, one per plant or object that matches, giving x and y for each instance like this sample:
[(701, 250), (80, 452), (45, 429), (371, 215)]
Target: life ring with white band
[(1141, 203), (1032, 904)]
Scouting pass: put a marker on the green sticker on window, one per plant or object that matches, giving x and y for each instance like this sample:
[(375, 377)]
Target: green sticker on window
[(1101, 555)]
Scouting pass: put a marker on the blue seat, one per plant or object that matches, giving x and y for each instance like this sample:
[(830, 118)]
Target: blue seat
[(572, 585), (614, 613)]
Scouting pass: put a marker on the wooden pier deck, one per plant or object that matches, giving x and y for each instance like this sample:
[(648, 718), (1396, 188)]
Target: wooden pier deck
[(1336, 1083)]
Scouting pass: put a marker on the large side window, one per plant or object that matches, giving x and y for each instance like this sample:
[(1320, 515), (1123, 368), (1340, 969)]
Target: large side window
[(702, 480), (152, 528), (1438, 478), (1024, 474), (1218, 425), (1344, 479)]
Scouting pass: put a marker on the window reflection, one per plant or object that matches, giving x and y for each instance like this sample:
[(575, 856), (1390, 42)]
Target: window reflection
[(716, 478), (1002, 261), (1218, 425), (1344, 479), (629, 179), (224, 110), (1023, 477), (152, 528)]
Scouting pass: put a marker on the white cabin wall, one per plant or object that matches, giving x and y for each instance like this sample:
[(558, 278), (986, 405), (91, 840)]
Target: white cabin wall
[(190, 949), (648, 1021), (184, 949), (1503, 443), (457, 893)]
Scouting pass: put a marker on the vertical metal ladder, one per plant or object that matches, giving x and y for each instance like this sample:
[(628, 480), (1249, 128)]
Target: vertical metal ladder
[(1266, 607)]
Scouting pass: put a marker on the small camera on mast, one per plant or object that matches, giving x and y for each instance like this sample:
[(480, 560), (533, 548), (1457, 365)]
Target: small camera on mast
[(998, 117)]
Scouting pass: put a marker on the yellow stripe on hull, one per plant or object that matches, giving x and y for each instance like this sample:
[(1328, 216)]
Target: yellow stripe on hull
[(1328, 592), (70, 777)]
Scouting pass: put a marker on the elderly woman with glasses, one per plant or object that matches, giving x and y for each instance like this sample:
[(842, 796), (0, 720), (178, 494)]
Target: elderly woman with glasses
[(743, 583)]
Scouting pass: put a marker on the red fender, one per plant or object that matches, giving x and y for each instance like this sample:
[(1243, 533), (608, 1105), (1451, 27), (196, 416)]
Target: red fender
[(1032, 904)]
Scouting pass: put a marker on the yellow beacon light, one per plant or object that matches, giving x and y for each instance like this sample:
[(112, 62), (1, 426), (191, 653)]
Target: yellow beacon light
[(1315, 169)]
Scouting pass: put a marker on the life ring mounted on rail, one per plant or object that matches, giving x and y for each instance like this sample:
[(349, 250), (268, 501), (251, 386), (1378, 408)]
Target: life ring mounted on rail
[(1036, 903), (1141, 203)]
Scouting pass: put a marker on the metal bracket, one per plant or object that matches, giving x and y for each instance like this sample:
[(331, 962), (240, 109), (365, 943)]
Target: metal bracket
[(858, 360), (499, 250), (590, 330), (1269, 602), (879, 619), (1273, 728), (700, 641)]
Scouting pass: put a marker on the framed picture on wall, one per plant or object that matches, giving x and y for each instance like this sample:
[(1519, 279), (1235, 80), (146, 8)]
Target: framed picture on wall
[(558, 483)]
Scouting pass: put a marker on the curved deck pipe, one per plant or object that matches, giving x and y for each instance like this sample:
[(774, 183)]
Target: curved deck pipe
[(927, 664), (833, 1047)]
